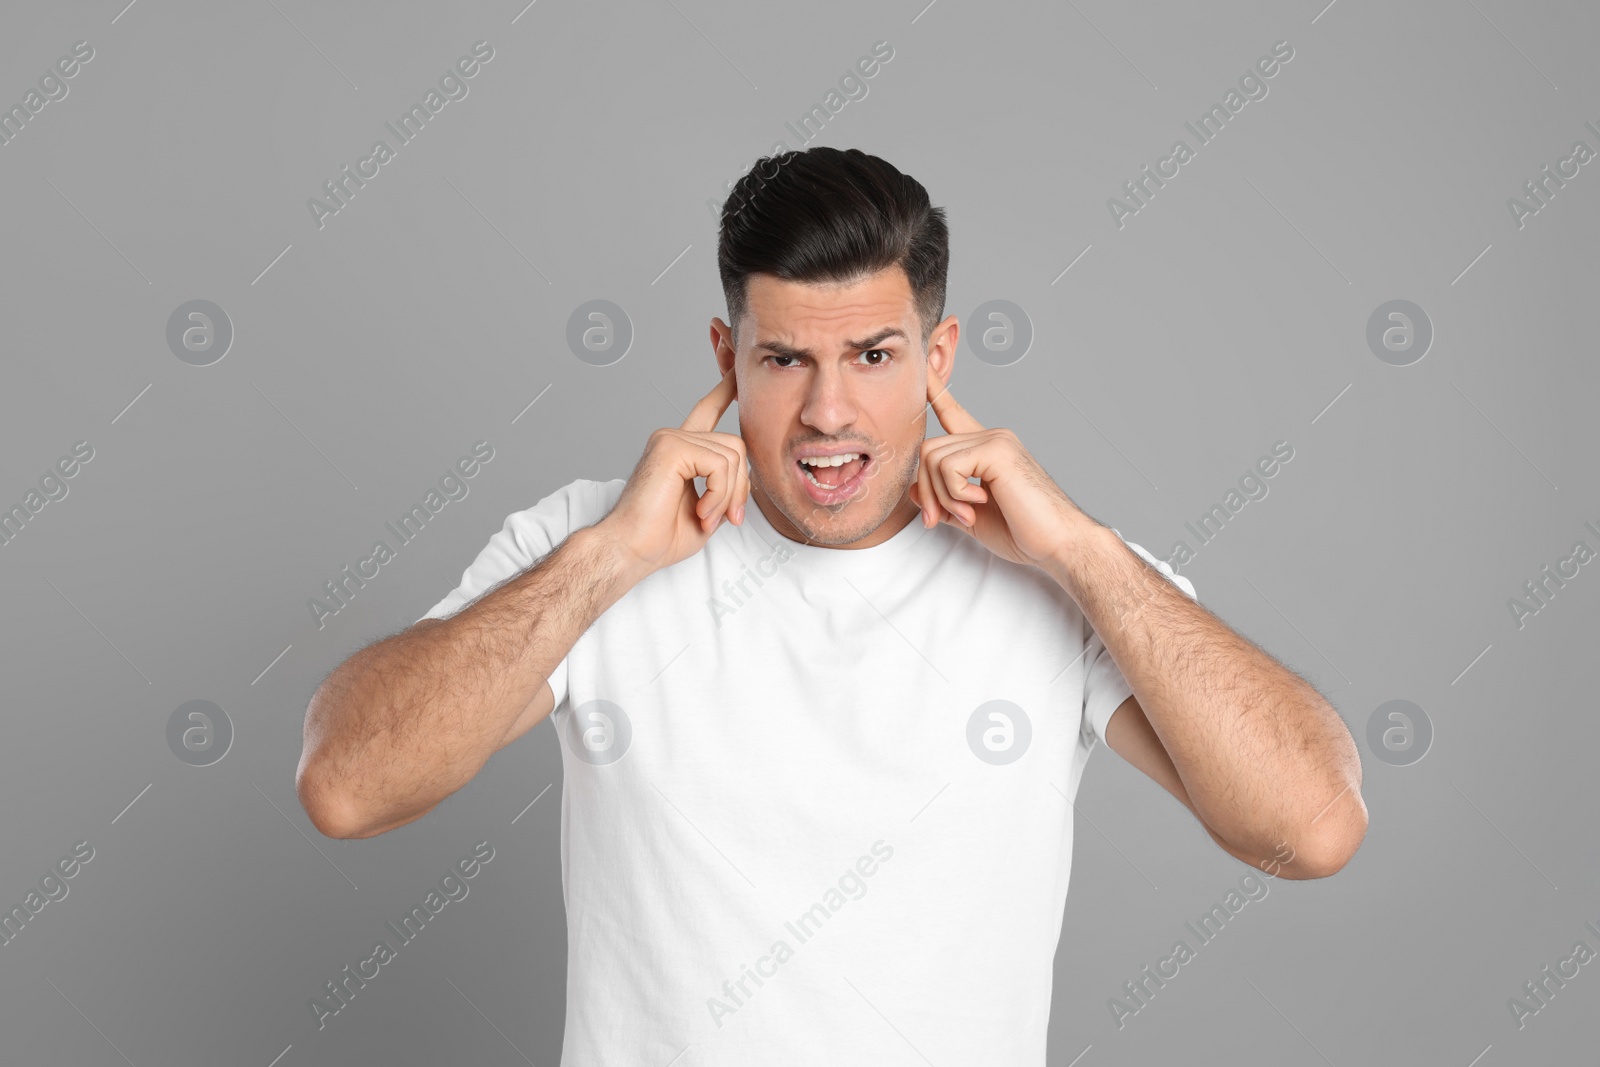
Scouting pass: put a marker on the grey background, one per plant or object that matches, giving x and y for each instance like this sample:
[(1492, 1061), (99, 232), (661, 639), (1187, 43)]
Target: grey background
[(1229, 314)]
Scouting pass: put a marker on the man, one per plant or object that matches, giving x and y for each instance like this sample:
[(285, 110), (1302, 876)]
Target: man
[(820, 756)]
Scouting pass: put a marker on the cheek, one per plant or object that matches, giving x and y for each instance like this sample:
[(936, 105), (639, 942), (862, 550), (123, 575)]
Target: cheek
[(755, 424), (757, 398), (761, 444)]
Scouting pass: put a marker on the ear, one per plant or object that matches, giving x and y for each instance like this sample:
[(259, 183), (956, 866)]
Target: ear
[(942, 353), (722, 347)]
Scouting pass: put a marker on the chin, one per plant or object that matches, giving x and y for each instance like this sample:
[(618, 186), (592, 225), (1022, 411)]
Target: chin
[(842, 524)]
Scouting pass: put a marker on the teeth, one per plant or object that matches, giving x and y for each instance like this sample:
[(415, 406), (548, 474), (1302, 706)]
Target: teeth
[(830, 461), (813, 479)]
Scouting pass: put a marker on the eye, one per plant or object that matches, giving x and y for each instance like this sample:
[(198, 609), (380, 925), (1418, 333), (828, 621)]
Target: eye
[(884, 357)]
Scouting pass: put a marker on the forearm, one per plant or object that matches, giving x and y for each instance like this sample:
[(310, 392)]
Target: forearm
[(1266, 761), (406, 722)]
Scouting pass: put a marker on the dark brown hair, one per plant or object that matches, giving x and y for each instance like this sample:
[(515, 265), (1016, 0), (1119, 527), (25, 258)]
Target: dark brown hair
[(827, 214)]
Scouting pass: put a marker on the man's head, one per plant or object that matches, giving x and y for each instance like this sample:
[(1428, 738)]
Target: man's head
[(833, 264)]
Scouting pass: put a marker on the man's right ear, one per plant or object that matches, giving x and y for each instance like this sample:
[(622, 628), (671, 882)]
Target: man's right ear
[(722, 345)]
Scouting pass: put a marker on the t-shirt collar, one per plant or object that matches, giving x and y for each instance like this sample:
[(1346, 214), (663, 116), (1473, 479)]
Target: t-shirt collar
[(825, 557)]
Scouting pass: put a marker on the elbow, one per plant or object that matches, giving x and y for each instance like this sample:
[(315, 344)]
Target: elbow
[(1334, 847), (335, 789), (316, 782), (1316, 852), (328, 812), (336, 815)]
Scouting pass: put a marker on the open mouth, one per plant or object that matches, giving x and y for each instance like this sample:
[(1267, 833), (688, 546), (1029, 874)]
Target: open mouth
[(832, 478)]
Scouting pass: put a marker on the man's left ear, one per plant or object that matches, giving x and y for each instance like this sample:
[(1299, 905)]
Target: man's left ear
[(942, 350)]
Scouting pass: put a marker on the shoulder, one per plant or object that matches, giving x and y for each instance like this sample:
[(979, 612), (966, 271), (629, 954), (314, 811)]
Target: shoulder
[(590, 500), (1162, 566), (576, 504), (594, 500)]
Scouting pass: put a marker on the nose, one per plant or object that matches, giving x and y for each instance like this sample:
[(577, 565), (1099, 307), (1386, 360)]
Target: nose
[(829, 406)]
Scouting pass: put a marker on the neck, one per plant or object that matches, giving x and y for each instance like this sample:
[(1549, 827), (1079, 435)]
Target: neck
[(904, 511)]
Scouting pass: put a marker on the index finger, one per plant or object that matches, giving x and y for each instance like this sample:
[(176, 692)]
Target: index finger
[(952, 416), (705, 415)]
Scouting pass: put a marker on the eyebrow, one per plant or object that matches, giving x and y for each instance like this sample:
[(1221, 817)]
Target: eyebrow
[(781, 349)]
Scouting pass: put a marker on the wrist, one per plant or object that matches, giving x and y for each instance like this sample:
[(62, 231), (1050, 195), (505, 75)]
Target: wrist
[(1083, 542), (611, 557)]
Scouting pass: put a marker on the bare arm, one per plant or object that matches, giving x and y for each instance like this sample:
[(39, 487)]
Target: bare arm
[(407, 721), (1265, 762)]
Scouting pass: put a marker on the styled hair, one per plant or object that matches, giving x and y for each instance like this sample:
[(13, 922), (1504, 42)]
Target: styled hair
[(832, 215)]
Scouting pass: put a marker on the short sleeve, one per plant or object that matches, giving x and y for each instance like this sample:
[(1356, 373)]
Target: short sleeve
[(1104, 687), (525, 538)]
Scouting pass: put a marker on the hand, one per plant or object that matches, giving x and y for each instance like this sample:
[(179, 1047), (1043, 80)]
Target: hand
[(1017, 511), (660, 518)]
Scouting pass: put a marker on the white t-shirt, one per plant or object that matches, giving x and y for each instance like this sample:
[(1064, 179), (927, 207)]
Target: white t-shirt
[(816, 805)]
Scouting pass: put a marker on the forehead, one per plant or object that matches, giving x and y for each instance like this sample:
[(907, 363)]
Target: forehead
[(777, 307)]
